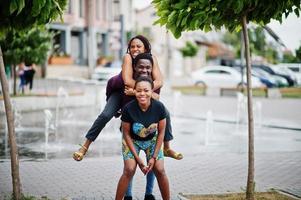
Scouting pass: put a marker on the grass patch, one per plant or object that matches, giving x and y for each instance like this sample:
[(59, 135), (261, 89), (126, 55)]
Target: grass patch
[(290, 92), (25, 197), (193, 90), (240, 196), (294, 92)]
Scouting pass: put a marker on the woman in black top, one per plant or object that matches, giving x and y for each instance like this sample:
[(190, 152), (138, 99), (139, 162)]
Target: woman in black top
[(143, 126)]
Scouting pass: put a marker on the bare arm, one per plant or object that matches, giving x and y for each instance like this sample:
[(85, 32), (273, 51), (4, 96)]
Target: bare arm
[(161, 132), (157, 75), (127, 71)]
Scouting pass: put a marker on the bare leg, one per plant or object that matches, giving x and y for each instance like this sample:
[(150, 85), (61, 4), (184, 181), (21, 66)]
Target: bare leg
[(112, 106), (128, 173), (87, 143), (168, 152), (79, 155), (162, 179)]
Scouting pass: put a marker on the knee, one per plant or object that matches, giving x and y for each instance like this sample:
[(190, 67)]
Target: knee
[(159, 172), (105, 116), (129, 172)]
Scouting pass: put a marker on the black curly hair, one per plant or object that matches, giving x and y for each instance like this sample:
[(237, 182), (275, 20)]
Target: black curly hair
[(144, 79), (145, 42), (140, 56)]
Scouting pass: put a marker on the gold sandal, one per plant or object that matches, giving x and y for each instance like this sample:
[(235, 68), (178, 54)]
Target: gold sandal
[(172, 154), (79, 155)]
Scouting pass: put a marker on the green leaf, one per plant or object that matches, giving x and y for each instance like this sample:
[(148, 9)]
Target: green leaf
[(37, 6), (21, 5), (13, 6), (180, 17), (184, 20), (180, 5), (177, 33), (239, 6)]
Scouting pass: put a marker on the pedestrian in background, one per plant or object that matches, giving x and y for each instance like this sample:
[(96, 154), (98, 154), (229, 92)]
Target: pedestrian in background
[(29, 75), (21, 74)]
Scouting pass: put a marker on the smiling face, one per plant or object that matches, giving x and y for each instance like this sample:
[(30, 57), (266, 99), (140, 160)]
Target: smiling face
[(143, 93), (136, 47), (143, 68)]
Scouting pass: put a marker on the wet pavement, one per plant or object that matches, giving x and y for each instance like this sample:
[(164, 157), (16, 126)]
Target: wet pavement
[(205, 130)]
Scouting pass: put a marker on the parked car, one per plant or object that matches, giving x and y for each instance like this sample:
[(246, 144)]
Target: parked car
[(221, 76), (279, 81), (295, 67), (271, 71), (103, 73), (288, 71), (266, 79)]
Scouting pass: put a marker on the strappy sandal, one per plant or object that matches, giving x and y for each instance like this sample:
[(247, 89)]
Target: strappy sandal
[(170, 153), (79, 155)]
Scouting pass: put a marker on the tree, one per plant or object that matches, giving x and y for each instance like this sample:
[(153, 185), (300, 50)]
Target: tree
[(22, 15), (233, 39), (298, 54), (30, 47), (257, 39), (183, 15), (189, 50), (288, 57)]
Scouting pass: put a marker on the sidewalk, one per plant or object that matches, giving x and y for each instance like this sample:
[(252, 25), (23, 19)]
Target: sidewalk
[(208, 173), (280, 113), (217, 167)]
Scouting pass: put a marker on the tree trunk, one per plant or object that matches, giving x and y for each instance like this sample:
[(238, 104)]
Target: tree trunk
[(44, 69), (250, 181), (11, 132), (15, 79)]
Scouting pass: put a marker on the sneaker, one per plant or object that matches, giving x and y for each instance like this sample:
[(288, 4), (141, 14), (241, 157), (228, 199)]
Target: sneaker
[(149, 197), (128, 198)]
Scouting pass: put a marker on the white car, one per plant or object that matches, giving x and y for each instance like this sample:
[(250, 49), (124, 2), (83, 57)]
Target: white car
[(221, 77), (104, 73)]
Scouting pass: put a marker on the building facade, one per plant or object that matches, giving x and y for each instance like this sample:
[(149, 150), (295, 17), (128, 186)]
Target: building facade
[(91, 29), (166, 47)]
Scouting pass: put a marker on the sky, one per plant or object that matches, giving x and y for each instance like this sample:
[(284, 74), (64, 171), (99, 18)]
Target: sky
[(289, 31)]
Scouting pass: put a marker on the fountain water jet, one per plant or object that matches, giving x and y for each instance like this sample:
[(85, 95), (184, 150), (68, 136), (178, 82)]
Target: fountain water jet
[(209, 126), (62, 96), (176, 97)]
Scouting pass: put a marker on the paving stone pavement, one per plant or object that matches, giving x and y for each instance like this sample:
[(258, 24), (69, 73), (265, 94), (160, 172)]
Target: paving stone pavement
[(96, 178), (202, 172)]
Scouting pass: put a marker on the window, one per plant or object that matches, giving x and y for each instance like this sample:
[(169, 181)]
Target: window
[(217, 72), (212, 72), (224, 72)]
